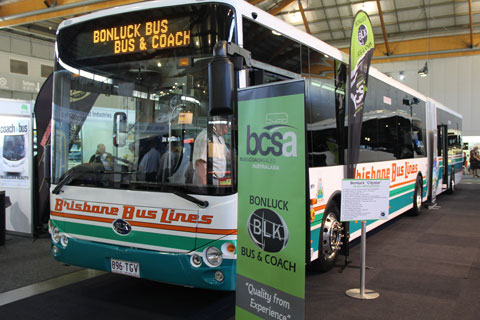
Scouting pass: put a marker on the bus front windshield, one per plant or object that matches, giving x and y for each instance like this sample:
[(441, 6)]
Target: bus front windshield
[(131, 102), (14, 147)]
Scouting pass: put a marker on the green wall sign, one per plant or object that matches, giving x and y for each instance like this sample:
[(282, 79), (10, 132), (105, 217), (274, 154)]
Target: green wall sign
[(271, 202)]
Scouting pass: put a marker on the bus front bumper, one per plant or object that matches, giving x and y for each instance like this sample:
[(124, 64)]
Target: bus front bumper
[(174, 268)]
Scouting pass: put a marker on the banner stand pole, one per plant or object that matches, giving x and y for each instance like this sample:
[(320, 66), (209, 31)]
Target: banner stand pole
[(362, 293)]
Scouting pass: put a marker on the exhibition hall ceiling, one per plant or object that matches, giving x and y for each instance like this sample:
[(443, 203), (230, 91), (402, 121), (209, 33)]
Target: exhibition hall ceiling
[(328, 20)]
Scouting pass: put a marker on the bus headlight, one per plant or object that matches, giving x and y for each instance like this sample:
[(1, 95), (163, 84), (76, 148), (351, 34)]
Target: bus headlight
[(213, 257), (196, 260), (55, 234), (64, 240)]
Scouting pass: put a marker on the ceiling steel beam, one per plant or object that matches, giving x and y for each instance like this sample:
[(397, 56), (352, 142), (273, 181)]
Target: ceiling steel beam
[(254, 2), (341, 43), (390, 11), (383, 28), (27, 11), (401, 23), (418, 49), (471, 22), (328, 20), (304, 18), (282, 5), (341, 20)]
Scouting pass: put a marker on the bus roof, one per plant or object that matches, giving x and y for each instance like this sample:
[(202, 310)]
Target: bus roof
[(444, 108)]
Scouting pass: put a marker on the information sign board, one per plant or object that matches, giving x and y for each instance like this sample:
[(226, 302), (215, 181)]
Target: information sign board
[(364, 199)]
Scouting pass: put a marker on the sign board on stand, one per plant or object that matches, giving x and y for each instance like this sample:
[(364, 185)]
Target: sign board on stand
[(364, 200)]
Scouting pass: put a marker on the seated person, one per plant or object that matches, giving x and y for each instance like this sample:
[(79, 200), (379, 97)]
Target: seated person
[(102, 157)]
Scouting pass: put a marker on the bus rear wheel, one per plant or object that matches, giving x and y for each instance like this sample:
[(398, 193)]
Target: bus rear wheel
[(451, 190), (331, 236), (417, 198)]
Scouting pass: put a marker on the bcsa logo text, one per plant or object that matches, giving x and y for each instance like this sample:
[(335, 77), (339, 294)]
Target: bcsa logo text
[(276, 143)]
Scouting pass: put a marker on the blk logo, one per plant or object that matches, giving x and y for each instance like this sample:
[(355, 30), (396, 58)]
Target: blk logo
[(267, 230)]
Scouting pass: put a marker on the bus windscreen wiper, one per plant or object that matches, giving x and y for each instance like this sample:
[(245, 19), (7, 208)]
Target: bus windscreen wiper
[(67, 178), (201, 203), (73, 173)]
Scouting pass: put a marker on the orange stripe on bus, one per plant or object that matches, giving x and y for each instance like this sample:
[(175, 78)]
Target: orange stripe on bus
[(320, 207), (401, 183), (80, 217), (149, 225), (181, 228)]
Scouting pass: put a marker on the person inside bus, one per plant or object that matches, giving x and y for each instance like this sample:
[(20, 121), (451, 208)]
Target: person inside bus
[(150, 162), (168, 162), (102, 157), (475, 161), (130, 156), (218, 152)]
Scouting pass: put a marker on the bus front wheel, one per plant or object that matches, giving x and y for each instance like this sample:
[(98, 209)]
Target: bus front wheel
[(331, 237)]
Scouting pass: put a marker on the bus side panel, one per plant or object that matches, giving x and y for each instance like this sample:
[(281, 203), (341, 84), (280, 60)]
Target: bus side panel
[(325, 181)]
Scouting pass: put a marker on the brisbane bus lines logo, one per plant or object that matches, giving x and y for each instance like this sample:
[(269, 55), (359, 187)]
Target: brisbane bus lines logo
[(267, 230), (276, 138)]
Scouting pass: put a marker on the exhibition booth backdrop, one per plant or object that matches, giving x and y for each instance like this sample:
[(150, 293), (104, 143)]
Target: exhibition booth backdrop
[(16, 148)]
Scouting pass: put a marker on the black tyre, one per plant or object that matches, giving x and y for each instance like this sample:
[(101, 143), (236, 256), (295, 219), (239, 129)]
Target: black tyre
[(451, 189), (331, 236), (417, 198)]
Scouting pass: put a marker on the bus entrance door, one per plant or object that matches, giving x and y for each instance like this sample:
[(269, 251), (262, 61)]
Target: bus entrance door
[(443, 154)]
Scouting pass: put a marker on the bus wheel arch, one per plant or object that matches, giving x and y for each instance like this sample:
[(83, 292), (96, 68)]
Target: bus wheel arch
[(331, 235)]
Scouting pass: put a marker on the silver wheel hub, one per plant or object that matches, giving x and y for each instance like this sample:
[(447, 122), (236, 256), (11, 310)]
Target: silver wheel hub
[(419, 198), (331, 236)]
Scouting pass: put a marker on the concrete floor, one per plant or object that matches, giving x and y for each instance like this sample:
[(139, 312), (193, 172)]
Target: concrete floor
[(425, 267)]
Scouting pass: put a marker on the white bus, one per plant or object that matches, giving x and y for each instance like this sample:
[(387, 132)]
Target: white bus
[(13, 153), (141, 210)]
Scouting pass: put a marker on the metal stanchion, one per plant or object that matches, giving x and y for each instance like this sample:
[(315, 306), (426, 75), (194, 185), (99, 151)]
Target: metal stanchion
[(2, 218), (362, 293)]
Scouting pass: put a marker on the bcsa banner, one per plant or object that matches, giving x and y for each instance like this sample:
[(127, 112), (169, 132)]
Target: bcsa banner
[(362, 46), (272, 202)]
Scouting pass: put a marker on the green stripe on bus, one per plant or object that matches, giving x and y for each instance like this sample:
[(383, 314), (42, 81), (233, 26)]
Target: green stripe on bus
[(398, 191), (140, 237)]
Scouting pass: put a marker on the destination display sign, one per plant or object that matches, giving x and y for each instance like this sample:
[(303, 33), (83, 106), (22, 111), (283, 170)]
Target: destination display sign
[(138, 37)]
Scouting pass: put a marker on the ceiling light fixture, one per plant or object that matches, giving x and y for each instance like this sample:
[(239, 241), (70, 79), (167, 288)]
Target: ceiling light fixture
[(424, 71)]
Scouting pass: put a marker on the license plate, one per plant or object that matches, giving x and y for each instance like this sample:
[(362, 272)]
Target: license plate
[(125, 267)]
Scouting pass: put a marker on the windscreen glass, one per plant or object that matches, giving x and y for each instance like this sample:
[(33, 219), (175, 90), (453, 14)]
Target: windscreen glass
[(131, 102)]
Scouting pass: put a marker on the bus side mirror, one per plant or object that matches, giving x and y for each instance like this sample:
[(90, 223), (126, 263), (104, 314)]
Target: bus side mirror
[(119, 129), (221, 83)]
